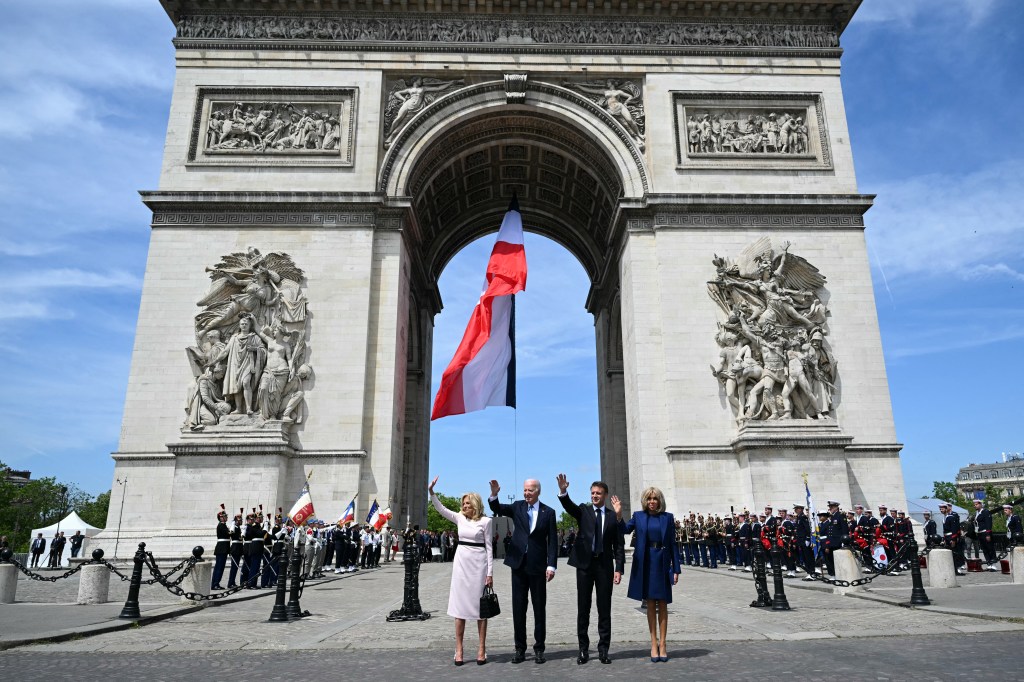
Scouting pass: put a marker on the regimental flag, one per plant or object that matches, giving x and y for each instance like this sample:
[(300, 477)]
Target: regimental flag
[(302, 510), (812, 516), (483, 371), (373, 512), (349, 514), (382, 519)]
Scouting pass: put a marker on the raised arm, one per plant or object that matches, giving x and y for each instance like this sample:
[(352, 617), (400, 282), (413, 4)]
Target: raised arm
[(496, 506), (441, 509), (563, 496)]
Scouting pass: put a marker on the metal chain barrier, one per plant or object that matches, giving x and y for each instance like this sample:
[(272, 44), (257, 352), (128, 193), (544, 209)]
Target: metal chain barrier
[(51, 578), (878, 570)]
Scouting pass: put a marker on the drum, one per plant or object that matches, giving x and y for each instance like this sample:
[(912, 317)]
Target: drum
[(880, 555), (974, 566), (1004, 565)]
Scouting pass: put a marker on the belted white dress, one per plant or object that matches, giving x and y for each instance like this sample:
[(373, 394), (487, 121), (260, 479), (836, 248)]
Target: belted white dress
[(472, 563)]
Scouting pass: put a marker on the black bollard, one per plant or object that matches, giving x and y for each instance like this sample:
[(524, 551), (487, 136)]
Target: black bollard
[(294, 609), (411, 598), (918, 597), (760, 582), (779, 601), (97, 555), (280, 613), (131, 604), (6, 554)]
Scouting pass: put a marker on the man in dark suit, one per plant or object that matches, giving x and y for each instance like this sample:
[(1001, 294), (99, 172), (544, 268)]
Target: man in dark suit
[(598, 554), (532, 555), (38, 547)]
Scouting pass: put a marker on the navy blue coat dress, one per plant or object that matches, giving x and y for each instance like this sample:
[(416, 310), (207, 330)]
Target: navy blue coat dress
[(655, 557)]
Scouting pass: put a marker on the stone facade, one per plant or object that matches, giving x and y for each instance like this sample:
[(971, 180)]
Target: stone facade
[(371, 159)]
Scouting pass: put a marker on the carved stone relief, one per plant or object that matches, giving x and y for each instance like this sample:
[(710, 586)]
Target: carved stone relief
[(506, 31), (250, 361), (275, 126), (407, 98), (751, 130), (623, 100), (774, 362)]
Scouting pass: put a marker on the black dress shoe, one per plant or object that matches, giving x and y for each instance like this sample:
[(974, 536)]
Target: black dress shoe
[(603, 657), (583, 657), (518, 656), (538, 657)]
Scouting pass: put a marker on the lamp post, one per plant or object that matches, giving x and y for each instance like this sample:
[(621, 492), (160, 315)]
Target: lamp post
[(117, 539)]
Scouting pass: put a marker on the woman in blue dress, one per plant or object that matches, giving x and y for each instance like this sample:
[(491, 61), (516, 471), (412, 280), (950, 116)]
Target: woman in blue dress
[(655, 563)]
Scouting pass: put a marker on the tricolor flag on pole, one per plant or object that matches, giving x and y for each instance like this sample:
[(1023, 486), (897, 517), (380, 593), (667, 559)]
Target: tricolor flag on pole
[(302, 510), (382, 519), (373, 510), (349, 514), (483, 371)]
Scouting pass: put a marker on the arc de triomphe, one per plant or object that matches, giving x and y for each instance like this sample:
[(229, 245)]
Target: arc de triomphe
[(324, 161)]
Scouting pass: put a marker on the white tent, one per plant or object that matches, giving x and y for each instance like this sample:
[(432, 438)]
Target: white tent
[(68, 525)]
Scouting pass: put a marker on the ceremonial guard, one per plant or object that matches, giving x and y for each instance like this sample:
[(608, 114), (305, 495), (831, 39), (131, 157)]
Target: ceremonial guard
[(727, 533), (1014, 528), (236, 551), (254, 535), (221, 549), (865, 536), (691, 529), (769, 529), (743, 535), (824, 521), (804, 551), (952, 538), (983, 532), (756, 526), (272, 560), (838, 532), (700, 530), (681, 542), (931, 531), (786, 535), (904, 531)]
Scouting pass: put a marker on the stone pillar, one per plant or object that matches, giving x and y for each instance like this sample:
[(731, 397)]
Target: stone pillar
[(941, 571), (94, 584), (198, 580), (1017, 565), (8, 583), (847, 568)]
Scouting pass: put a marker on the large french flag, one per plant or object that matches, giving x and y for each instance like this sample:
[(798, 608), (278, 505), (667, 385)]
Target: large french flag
[(483, 371)]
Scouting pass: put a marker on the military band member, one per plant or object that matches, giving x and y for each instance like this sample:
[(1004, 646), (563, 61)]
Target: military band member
[(769, 529), (690, 528), (952, 538), (785, 534), (904, 531), (860, 516), (756, 527), (221, 549), (744, 534)]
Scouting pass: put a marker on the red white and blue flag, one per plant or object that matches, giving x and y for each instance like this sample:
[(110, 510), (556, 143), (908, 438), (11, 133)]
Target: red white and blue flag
[(381, 519), (302, 510), (349, 514), (483, 371), (373, 510)]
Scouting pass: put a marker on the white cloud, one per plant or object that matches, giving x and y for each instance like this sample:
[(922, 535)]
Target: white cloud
[(15, 310), (9, 247), (73, 278), (965, 226)]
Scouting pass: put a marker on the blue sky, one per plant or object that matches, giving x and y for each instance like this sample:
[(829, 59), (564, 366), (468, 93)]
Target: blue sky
[(933, 99)]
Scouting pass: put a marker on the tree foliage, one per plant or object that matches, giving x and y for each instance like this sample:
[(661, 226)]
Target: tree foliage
[(41, 502), (435, 521), (566, 521)]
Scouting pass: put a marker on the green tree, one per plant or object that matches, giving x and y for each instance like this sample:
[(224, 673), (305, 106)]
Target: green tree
[(435, 521), (94, 511), (566, 521)]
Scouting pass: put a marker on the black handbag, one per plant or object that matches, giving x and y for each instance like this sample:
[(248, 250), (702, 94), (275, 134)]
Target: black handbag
[(489, 607)]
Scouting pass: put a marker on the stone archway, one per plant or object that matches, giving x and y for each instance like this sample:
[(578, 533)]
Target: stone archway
[(456, 167)]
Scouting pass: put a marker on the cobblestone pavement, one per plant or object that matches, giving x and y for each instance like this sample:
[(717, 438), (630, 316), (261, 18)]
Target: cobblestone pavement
[(940, 657), (350, 614)]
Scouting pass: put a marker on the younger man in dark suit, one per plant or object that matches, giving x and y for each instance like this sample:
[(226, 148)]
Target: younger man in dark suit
[(599, 556), (532, 556)]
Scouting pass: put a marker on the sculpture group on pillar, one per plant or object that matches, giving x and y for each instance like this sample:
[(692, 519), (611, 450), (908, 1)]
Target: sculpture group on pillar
[(774, 362), (747, 133), (250, 357)]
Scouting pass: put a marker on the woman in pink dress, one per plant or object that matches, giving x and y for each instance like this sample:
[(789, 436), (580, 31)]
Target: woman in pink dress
[(471, 570)]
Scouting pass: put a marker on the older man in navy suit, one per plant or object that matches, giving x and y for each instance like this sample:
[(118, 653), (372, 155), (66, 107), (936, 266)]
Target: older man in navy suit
[(532, 556)]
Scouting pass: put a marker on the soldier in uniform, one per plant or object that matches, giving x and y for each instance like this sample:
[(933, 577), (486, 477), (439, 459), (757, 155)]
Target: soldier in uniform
[(221, 549), (246, 550), (887, 528), (1014, 529), (931, 531), (728, 542), (254, 534), (743, 535), (838, 532), (235, 534), (951, 537), (691, 529), (865, 536), (786, 534), (904, 531), (769, 528), (804, 551), (983, 532), (756, 529), (861, 517)]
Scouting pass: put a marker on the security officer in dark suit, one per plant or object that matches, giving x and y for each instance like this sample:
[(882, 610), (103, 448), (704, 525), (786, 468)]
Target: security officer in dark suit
[(599, 556), (838, 532), (221, 549), (533, 558)]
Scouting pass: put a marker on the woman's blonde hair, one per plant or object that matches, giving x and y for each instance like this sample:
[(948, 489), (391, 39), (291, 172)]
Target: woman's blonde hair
[(656, 493), (478, 505)]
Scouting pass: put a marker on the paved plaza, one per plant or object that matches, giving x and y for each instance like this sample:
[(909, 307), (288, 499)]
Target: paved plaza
[(712, 631)]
